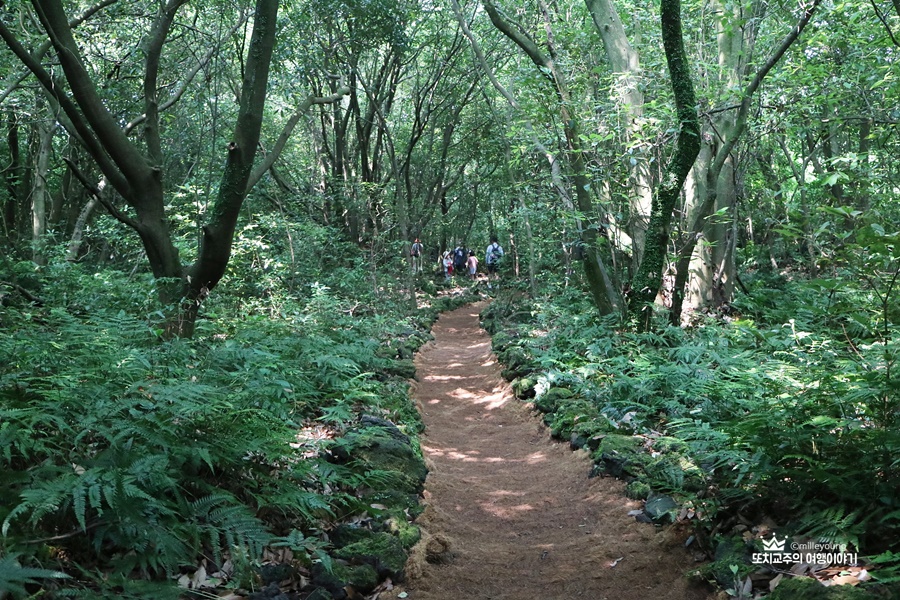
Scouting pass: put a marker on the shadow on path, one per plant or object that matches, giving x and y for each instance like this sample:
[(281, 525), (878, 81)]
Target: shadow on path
[(520, 515)]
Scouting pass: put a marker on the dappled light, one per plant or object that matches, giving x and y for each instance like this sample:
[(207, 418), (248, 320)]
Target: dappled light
[(521, 508), (619, 280)]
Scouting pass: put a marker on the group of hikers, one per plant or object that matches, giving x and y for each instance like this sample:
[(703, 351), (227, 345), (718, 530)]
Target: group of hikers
[(460, 260)]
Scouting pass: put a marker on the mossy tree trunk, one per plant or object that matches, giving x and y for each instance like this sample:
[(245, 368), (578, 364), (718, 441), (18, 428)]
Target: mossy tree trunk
[(648, 280), (731, 132)]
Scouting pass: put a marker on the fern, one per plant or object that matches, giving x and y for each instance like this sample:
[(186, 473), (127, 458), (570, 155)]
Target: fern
[(14, 577)]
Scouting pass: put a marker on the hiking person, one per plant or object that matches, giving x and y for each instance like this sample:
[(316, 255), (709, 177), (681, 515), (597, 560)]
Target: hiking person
[(415, 251), (459, 259), (492, 255), (472, 263), (447, 264)]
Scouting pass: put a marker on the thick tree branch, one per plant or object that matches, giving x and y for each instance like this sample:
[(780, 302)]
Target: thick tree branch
[(153, 50), (183, 85), (215, 247), (109, 133), (41, 50), (80, 128), (286, 132), (524, 42)]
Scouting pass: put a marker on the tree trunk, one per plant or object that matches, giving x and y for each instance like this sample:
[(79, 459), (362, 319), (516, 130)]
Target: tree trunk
[(624, 61), (600, 284), (40, 192), (648, 279), (720, 191)]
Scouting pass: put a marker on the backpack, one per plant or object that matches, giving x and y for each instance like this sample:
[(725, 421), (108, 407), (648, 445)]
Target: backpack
[(459, 258), (496, 252), (416, 248)]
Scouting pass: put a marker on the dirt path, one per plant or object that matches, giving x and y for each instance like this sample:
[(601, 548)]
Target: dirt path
[(521, 516)]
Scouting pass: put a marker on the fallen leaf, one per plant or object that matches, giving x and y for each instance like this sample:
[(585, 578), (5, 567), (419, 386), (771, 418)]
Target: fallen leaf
[(198, 580), (774, 582), (845, 580), (615, 562)]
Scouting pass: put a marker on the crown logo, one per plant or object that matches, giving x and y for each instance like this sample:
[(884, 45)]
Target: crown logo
[(774, 545)]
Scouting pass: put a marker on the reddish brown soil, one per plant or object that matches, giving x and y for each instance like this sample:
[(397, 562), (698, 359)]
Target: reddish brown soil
[(517, 511)]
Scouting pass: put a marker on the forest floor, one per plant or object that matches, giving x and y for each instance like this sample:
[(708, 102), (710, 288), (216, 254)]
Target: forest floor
[(509, 512)]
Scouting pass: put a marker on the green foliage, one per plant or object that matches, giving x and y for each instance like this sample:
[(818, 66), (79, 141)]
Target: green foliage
[(124, 458), (13, 576), (780, 417)]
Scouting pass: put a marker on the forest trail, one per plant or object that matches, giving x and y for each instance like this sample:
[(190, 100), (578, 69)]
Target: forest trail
[(521, 516)]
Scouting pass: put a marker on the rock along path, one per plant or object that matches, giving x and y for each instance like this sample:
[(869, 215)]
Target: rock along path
[(521, 516)]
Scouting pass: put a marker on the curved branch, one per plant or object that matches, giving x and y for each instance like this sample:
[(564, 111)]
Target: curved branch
[(42, 49), (76, 120), (286, 132), (527, 44)]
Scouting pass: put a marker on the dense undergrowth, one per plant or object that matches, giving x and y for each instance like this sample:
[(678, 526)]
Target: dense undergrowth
[(128, 462), (779, 419)]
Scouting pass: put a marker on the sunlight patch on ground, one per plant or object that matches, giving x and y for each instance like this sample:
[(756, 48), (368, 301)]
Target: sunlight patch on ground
[(535, 458), (505, 512), (456, 454), (495, 400), (448, 377)]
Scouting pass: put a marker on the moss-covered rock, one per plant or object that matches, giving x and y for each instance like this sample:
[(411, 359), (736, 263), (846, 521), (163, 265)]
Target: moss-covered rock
[(381, 550), (593, 430), (523, 387), (637, 490), (569, 413), (730, 553), (621, 456), (397, 501), (346, 534), (552, 398), (377, 444), (363, 578), (518, 363), (406, 532)]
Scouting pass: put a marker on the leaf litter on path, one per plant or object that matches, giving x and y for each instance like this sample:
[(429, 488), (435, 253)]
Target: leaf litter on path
[(520, 515)]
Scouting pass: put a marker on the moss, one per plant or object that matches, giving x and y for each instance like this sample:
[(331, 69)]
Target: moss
[(397, 501), (346, 534), (551, 400), (570, 411), (621, 456), (363, 577), (406, 532), (380, 445), (523, 387), (518, 363), (593, 430), (382, 549), (730, 552), (637, 490), (807, 588)]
